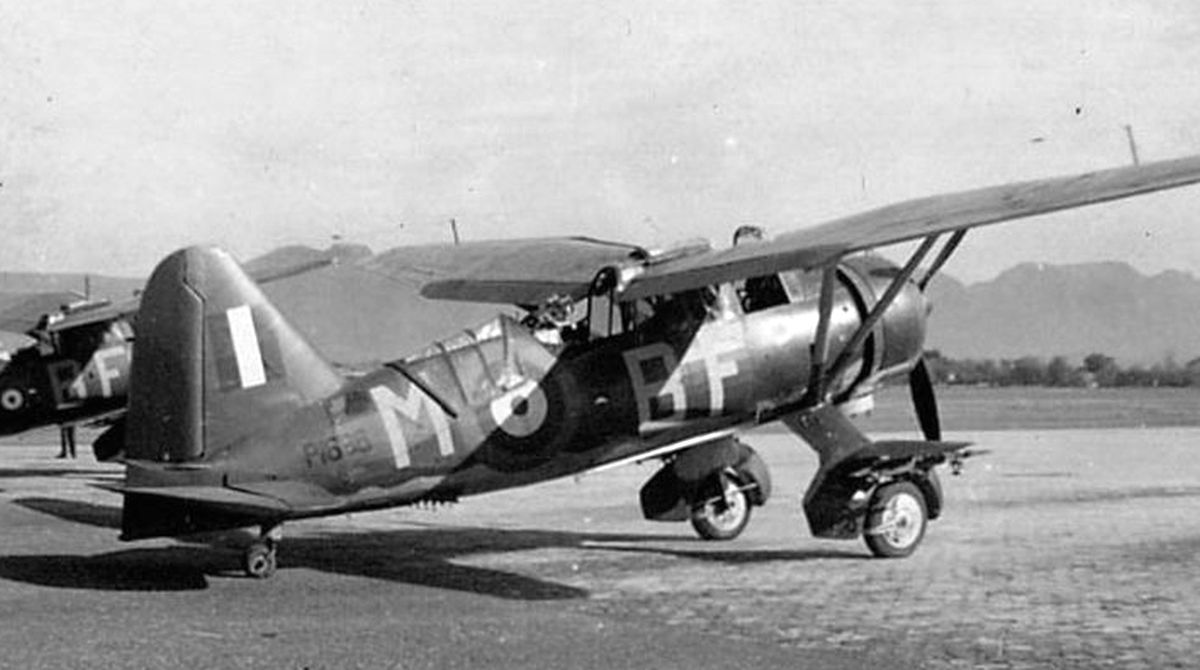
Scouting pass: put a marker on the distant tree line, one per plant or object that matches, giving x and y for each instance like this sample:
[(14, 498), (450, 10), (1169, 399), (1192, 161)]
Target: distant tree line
[(1096, 370)]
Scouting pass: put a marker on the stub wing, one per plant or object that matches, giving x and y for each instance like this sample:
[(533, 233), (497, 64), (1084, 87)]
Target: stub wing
[(825, 243), (882, 452)]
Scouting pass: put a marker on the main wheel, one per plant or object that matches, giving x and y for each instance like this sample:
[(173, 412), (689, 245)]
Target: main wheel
[(259, 560), (896, 520), (722, 516)]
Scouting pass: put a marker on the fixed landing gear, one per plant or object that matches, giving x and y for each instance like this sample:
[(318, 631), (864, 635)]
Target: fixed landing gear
[(723, 515), (259, 561), (713, 485), (896, 520)]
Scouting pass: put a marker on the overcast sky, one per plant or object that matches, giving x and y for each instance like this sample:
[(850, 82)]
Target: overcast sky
[(132, 128)]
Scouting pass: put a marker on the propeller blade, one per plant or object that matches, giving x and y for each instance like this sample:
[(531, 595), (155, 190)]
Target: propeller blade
[(920, 385)]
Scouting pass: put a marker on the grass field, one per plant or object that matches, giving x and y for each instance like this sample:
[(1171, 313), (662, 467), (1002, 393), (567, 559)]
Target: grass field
[(967, 409), (1067, 548), (1030, 408)]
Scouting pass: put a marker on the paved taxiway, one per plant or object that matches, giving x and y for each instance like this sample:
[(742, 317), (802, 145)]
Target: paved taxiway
[(1069, 548)]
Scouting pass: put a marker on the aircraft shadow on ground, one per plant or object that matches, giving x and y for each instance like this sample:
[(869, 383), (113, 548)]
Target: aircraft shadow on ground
[(739, 556), (77, 511), (419, 554), (16, 473), (169, 569)]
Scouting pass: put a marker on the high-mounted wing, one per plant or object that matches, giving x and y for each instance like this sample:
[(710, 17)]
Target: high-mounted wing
[(282, 265), (21, 313), (90, 314), (527, 272), (519, 272), (295, 260), (825, 243)]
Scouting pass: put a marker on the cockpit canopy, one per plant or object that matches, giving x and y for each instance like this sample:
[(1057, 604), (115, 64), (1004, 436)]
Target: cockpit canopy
[(481, 363)]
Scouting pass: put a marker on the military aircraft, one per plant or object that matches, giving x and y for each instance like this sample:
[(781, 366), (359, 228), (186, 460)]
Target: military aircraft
[(76, 370), (625, 354)]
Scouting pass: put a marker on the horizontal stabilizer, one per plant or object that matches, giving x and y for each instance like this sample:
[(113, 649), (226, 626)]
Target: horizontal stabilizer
[(213, 497), (298, 496), (173, 511)]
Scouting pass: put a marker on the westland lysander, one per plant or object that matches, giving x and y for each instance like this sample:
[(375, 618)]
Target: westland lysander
[(623, 355), (76, 370)]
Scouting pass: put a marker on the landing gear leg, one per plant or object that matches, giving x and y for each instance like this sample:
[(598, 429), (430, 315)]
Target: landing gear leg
[(259, 560)]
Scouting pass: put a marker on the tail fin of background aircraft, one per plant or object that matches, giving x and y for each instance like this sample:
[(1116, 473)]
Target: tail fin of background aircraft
[(214, 360)]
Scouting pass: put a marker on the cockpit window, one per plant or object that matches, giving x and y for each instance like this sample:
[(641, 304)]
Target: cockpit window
[(481, 363), (765, 292), (802, 285), (676, 309)]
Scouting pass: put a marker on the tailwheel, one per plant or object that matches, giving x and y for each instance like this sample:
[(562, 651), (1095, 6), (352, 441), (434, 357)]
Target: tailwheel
[(896, 520), (724, 514), (259, 561)]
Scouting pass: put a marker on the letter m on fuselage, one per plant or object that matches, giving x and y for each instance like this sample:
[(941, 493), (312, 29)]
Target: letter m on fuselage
[(409, 402)]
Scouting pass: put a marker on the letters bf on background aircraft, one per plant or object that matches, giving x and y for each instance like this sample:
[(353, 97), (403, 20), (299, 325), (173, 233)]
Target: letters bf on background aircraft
[(625, 355), (76, 370)]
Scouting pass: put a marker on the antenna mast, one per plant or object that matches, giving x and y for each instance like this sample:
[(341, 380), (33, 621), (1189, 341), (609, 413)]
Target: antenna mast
[(1132, 144)]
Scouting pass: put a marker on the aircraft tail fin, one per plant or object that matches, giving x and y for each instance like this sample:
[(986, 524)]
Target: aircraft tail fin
[(214, 361)]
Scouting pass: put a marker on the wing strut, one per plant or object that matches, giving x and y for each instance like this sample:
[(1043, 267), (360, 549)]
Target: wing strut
[(820, 347), (864, 329), (943, 256)]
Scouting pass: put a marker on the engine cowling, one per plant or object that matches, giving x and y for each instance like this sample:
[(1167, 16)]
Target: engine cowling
[(897, 341)]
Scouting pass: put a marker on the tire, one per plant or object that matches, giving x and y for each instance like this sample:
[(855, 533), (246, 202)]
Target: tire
[(896, 520), (259, 561), (724, 514)]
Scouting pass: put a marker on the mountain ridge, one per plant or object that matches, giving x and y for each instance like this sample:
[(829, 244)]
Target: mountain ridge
[(1038, 309), (1030, 309)]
